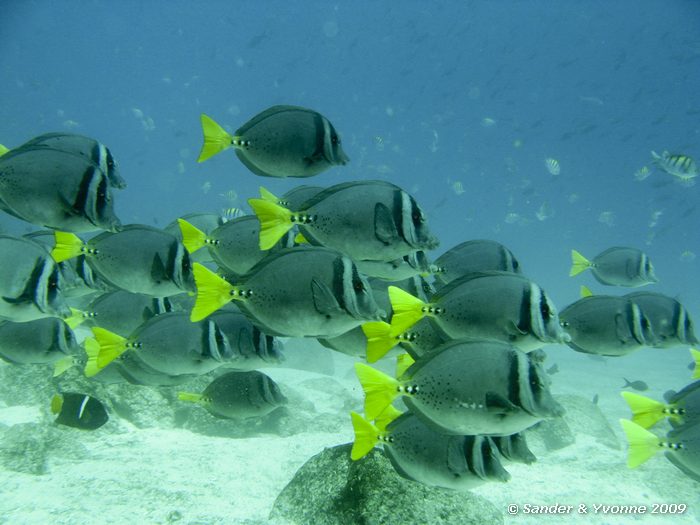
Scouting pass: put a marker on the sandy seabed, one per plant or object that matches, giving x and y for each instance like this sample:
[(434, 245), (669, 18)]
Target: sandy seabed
[(161, 476)]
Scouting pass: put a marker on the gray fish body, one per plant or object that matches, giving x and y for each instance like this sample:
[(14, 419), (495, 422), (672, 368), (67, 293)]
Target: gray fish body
[(297, 196), (307, 291), (68, 192), (30, 282), (206, 222), (479, 387), (686, 403), (411, 265), (622, 266), (289, 141), (242, 395), (474, 256), (254, 348), (670, 321), (142, 259), (606, 325), (422, 338), (685, 454), (236, 247), (78, 278), (36, 342), (123, 312), (419, 453), (135, 371), (172, 345), (498, 305), (86, 147), (367, 220)]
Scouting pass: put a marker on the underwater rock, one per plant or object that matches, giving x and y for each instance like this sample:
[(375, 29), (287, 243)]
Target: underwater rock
[(585, 417), (27, 447), (331, 489), (552, 434)]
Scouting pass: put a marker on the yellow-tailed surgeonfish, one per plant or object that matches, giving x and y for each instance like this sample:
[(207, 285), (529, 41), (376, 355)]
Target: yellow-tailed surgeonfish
[(282, 141), (617, 266)]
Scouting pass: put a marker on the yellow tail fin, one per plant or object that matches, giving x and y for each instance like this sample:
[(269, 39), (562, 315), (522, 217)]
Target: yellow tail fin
[(275, 221), (3, 150), (68, 245), (386, 417), (642, 443), (189, 396), (192, 237), (76, 317), (300, 239), (366, 436), (380, 339), (585, 291), (403, 363), (216, 138), (408, 310), (646, 412), (695, 354), (62, 365), (267, 195), (92, 349), (578, 263), (380, 389), (110, 344), (213, 292), (56, 403)]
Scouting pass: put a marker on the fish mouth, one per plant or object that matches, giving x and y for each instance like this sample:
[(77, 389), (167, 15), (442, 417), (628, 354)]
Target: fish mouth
[(564, 337)]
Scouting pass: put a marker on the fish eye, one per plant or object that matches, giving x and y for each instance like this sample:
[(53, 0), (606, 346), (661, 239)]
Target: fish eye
[(335, 140), (358, 286), (544, 309)]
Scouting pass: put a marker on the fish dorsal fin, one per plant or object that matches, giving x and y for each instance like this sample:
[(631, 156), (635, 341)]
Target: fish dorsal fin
[(324, 300), (384, 226)]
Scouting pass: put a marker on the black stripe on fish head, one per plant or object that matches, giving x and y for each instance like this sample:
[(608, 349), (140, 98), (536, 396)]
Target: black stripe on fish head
[(81, 202), (215, 345)]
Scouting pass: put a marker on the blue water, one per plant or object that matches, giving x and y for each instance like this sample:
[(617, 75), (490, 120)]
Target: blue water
[(596, 85)]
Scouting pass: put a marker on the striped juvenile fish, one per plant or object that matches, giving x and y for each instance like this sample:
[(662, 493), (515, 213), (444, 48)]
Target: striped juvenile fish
[(680, 166)]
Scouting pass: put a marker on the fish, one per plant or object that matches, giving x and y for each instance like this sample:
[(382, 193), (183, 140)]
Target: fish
[(678, 165), (86, 147), (552, 166), (365, 220), (68, 192), (642, 173), (681, 407), (474, 256), (514, 448), (239, 395), (638, 385), (467, 387), (669, 319), (493, 305), (255, 349), (595, 399), (78, 411), (282, 141), (606, 325), (682, 446), (30, 282), (123, 312), (43, 341), (138, 259), (419, 453), (306, 291), (233, 245), (167, 343), (617, 266)]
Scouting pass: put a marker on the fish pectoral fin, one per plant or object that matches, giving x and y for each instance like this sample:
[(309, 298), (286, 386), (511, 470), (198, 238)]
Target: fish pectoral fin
[(514, 330), (324, 300), (159, 272), (497, 404), (622, 329), (384, 226)]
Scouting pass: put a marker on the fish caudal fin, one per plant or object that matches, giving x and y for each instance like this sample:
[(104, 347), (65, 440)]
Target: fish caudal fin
[(366, 436), (386, 417), (92, 349), (56, 403), (213, 292), (403, 363), (380, 389), (63, 364), (646, 412), (578, 263), (696, 357), (585, 291), (3, 150), (68, 245), (76, 318), (110, 345), (642, 443), (190, 397), (275, 221), (216, 138), (408, 310), (379, 339), (300, 239), (192, 237), (267, 195)]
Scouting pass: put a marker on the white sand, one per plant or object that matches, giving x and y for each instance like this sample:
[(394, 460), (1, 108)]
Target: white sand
[(142, 475)]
